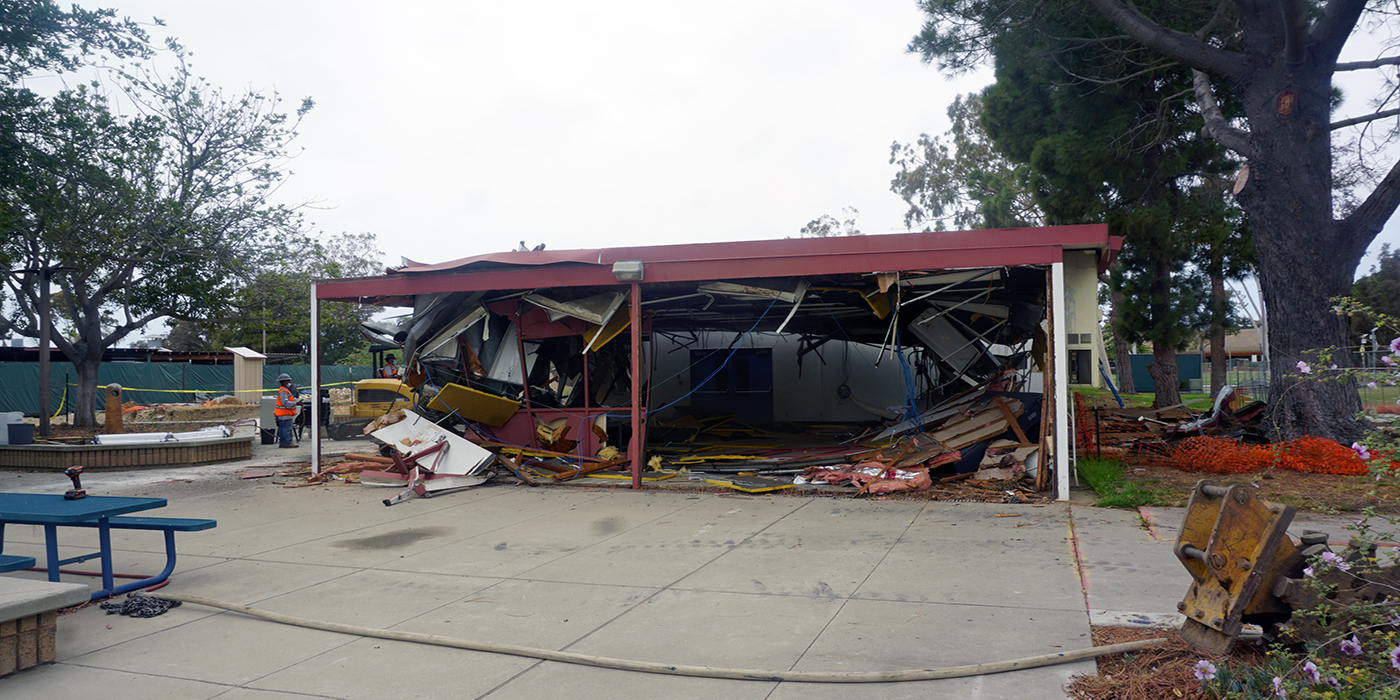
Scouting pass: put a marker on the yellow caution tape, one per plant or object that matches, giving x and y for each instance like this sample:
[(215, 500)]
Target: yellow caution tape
[(215, 391)]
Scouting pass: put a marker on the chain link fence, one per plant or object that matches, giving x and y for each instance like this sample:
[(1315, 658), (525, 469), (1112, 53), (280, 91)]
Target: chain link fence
[(1253, 376)]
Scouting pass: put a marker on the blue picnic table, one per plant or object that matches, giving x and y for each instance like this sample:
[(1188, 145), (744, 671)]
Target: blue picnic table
[(102, 512)]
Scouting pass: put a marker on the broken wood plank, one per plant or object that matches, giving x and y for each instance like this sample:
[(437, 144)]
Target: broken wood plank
[(361, 457), (536, 453), (575, 473), (1010, 418)]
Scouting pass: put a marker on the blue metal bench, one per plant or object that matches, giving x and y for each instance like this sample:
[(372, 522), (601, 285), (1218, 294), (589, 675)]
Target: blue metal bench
[(167, 525), (14, 562), (128, 522)]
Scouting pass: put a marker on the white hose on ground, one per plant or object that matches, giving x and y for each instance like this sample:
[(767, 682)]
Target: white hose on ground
[(923, 674)]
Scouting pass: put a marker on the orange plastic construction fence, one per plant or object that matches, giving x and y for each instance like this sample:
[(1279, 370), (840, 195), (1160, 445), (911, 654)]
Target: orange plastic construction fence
[(1218, 455), (1224, 456)]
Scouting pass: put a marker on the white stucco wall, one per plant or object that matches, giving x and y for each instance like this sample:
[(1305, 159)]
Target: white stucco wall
[(811, 397), (1082, 305)]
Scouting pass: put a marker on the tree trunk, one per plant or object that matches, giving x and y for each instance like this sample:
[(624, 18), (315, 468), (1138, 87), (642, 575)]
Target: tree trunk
[(85, 399), (1305, 259), (1164, 376), (1218, 301), (1121, 351)]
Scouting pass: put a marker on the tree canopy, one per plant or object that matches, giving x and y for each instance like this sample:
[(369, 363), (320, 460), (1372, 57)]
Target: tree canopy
[(273, 309), (1260, 79), (827, 225), (158, 213), (1127, 152), (963, 182)]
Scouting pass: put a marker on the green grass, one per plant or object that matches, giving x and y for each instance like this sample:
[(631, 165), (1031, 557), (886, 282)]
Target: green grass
[(1194, 402), (1105, 477)]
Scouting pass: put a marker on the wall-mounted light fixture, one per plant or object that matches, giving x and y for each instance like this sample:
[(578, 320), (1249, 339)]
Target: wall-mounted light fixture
[(627, 270)]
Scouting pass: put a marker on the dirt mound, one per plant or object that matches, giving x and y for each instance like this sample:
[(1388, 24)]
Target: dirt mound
[(189, 413)]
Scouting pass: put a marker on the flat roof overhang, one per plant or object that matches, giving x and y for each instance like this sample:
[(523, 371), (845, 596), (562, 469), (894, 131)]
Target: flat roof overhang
[(691, 263), (730, 260)]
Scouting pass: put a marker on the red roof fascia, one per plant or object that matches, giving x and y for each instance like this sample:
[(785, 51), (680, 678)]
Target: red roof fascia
[(730, 260)]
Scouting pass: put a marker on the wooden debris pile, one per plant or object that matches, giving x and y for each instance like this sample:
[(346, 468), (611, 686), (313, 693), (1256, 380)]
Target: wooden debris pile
[(900, 467), (1119, 432)]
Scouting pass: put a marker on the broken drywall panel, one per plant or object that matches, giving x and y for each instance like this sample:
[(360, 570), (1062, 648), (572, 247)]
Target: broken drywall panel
[(415, 433), (443, 343), (596, 309), (747, 291)]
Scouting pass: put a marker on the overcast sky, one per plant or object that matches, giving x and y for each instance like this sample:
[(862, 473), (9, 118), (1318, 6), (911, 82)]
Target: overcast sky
[(450, 129)]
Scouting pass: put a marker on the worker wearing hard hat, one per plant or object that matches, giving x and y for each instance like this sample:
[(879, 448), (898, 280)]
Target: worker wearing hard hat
[(389, 370), (285, 408)]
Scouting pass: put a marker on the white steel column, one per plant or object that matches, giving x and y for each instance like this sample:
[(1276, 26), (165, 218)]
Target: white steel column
[(1060, 386), (315, 422)]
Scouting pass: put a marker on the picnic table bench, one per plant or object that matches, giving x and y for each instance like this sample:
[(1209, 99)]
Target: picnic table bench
[(14, 562), (102, 512)]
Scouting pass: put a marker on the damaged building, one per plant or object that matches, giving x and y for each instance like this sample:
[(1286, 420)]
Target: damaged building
[(882, 361)]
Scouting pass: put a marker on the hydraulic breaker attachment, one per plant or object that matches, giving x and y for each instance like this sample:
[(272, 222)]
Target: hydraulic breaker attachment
[(1237, 550)]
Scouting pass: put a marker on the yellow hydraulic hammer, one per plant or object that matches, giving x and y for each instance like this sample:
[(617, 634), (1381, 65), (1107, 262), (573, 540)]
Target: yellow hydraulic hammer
[(1237, 549)]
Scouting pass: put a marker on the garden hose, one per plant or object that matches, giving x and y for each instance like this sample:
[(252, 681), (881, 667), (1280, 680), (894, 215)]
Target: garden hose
[(568, 657)]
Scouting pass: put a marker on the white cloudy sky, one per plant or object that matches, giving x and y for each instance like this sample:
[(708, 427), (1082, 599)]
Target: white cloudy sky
[(456, 128), (450, 129)]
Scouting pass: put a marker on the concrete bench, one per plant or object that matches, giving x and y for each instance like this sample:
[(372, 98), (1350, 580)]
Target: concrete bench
[(29, 619)]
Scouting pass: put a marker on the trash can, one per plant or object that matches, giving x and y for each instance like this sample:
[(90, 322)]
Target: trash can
[(1195, 386), (21, 434), (5, 420)]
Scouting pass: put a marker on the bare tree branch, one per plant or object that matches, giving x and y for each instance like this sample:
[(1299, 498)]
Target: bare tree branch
[(1363, 224), (1362, 120), (1217, 126), (1365, 65), (1214, 22), (1330, 32), (1178, 46)]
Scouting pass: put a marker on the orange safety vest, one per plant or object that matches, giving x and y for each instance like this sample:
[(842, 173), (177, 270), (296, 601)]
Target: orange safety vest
[(286, 403), (389, 371)]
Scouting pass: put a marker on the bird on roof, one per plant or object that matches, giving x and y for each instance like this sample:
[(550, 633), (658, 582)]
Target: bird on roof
[(538, 247), (522, 247)]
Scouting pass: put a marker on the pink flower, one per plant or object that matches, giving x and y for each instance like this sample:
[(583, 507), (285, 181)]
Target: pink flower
[(1304, 368), (1395, 345), (1361, 450), (1332, 682), (1395, 656), (1351, 647), (1337, 561), (1204, 670), (1310, 668), (1308, 571), (1278, 687), (1370, 385), (1387, 359)]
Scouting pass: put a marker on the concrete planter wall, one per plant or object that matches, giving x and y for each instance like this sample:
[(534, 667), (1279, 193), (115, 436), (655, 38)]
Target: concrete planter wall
[(166, 454)]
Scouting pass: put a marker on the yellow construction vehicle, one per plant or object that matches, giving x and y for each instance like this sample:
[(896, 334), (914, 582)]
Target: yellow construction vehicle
[(371, 399)]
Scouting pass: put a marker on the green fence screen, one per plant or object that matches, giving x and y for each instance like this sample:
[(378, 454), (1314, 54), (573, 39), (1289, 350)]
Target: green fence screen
[(148, 382)]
